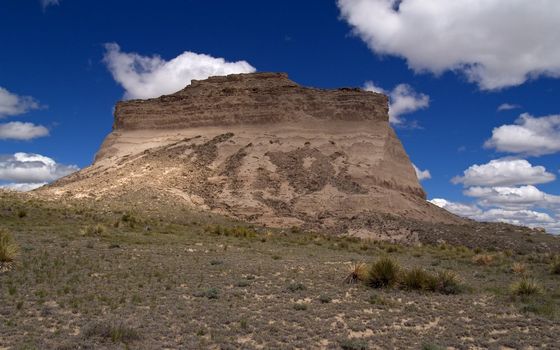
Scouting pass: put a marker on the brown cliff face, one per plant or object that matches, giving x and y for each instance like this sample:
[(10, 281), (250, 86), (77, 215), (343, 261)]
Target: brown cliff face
[(261, 148), (260, 98)]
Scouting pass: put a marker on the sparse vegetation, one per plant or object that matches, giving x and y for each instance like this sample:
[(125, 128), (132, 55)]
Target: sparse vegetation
[(483, 259), (183, 272), (117, 332), (94, 230), (555, 266), (519, 268), (9, 250), (358, 272), (383, 273), (526, 287), (417, 279), (294, 287), (353, 344)]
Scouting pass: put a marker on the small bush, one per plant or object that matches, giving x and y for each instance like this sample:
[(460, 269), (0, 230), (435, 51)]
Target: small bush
[(525, 287), (483, 259), (383, 273), (447, 282), (555, 266), (9, 250), (294, 287), (358, 272), (353, 344), (117, 332), (376, 299), (324, 299), (94, 230), (300, 307), (417, 279), (518, 268), (21, 213)]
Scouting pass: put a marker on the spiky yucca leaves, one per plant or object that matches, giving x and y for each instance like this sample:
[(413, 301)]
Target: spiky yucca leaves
[(8, 248), (358, 272)]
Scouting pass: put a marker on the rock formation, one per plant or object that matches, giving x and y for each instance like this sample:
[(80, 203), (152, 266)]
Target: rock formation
[(261, 148)]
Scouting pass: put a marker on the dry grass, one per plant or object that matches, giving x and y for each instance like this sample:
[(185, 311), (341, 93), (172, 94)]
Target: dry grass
[(94, 230), (483, 259), (518, 268), (358, 272), (9, 250), (525, 287)]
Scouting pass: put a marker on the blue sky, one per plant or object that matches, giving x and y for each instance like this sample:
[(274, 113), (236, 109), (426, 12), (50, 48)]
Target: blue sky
[(448, 69)]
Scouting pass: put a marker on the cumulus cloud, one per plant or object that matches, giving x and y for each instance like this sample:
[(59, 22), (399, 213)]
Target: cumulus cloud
[(402, 100), (12, 104), (513, 197), (494, 43), (422, 174), (28, 169), (507, 107), (22, 187), (523, 217), (152, 76), (461, 209), (22, 131), (534, 136), (504, 172)]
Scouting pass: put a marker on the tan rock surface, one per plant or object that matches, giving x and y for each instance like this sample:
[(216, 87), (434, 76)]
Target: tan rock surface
[(261, 148)]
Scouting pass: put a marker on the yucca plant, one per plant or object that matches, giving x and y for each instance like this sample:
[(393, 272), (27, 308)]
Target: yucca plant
[(8, 248), (358, 272)]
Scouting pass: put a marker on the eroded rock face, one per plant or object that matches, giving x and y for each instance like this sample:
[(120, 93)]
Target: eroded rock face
[(260, 147)]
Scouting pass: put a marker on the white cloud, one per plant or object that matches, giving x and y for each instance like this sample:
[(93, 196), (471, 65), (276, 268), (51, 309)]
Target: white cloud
[(47, 3), (465, 210), (529, 135), (147, 77), (402, 100), (494, 43), (22, 187), (12, 104), (29, 168), (422, 174), (524, 217), (513, 197), (504, 172), (507, 107), (22, 131)]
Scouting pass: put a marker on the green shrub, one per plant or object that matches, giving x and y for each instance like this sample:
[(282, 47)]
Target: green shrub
[(555, 266), (294, 287), (9, 250), (447, 282), (353, 344), (94, 230), (525, 287), (116, 332), (383, 273), (417, 279)]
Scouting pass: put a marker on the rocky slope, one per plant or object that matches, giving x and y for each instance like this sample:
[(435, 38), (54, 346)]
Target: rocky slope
[(261, 148)]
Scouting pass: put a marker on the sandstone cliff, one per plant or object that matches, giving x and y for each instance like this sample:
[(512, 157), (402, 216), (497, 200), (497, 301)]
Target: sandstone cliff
[(261, 148)]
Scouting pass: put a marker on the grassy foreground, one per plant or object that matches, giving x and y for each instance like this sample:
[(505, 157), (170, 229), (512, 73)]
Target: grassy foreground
[(86, 278)]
